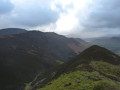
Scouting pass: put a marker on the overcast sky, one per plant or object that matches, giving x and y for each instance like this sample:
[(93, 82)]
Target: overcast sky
[(78, 18)]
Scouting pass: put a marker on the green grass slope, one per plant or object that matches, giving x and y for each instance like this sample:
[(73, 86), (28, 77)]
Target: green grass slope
[(95, 69), (103, 78)]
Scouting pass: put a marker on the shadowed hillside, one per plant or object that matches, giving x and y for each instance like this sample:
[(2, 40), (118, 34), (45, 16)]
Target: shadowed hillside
[(24, 55), (94, 69)]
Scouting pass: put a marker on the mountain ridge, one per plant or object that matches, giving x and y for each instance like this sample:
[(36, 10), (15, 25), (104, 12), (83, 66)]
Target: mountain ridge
[(75, 63), (24, 55)]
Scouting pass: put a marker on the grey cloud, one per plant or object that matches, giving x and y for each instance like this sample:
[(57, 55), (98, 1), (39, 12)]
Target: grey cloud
[(35, 17), (5, 6), (104, 14), (67, 7), (59, 7), (35, 14), (31, 14), (70, 6), (100, 18), (103, 17)]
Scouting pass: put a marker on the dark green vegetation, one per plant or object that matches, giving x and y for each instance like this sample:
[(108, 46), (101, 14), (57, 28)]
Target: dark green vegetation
[(94, 69), (24, 55), (112, 44)]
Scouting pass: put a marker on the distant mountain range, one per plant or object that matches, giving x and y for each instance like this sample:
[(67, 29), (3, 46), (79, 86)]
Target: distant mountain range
[(96, 68), (24, 54), (112, 43)]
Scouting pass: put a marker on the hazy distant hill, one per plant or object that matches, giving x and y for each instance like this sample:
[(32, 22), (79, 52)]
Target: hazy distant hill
[(112, 43), (24, 55), (10, 31), (94, 69)]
